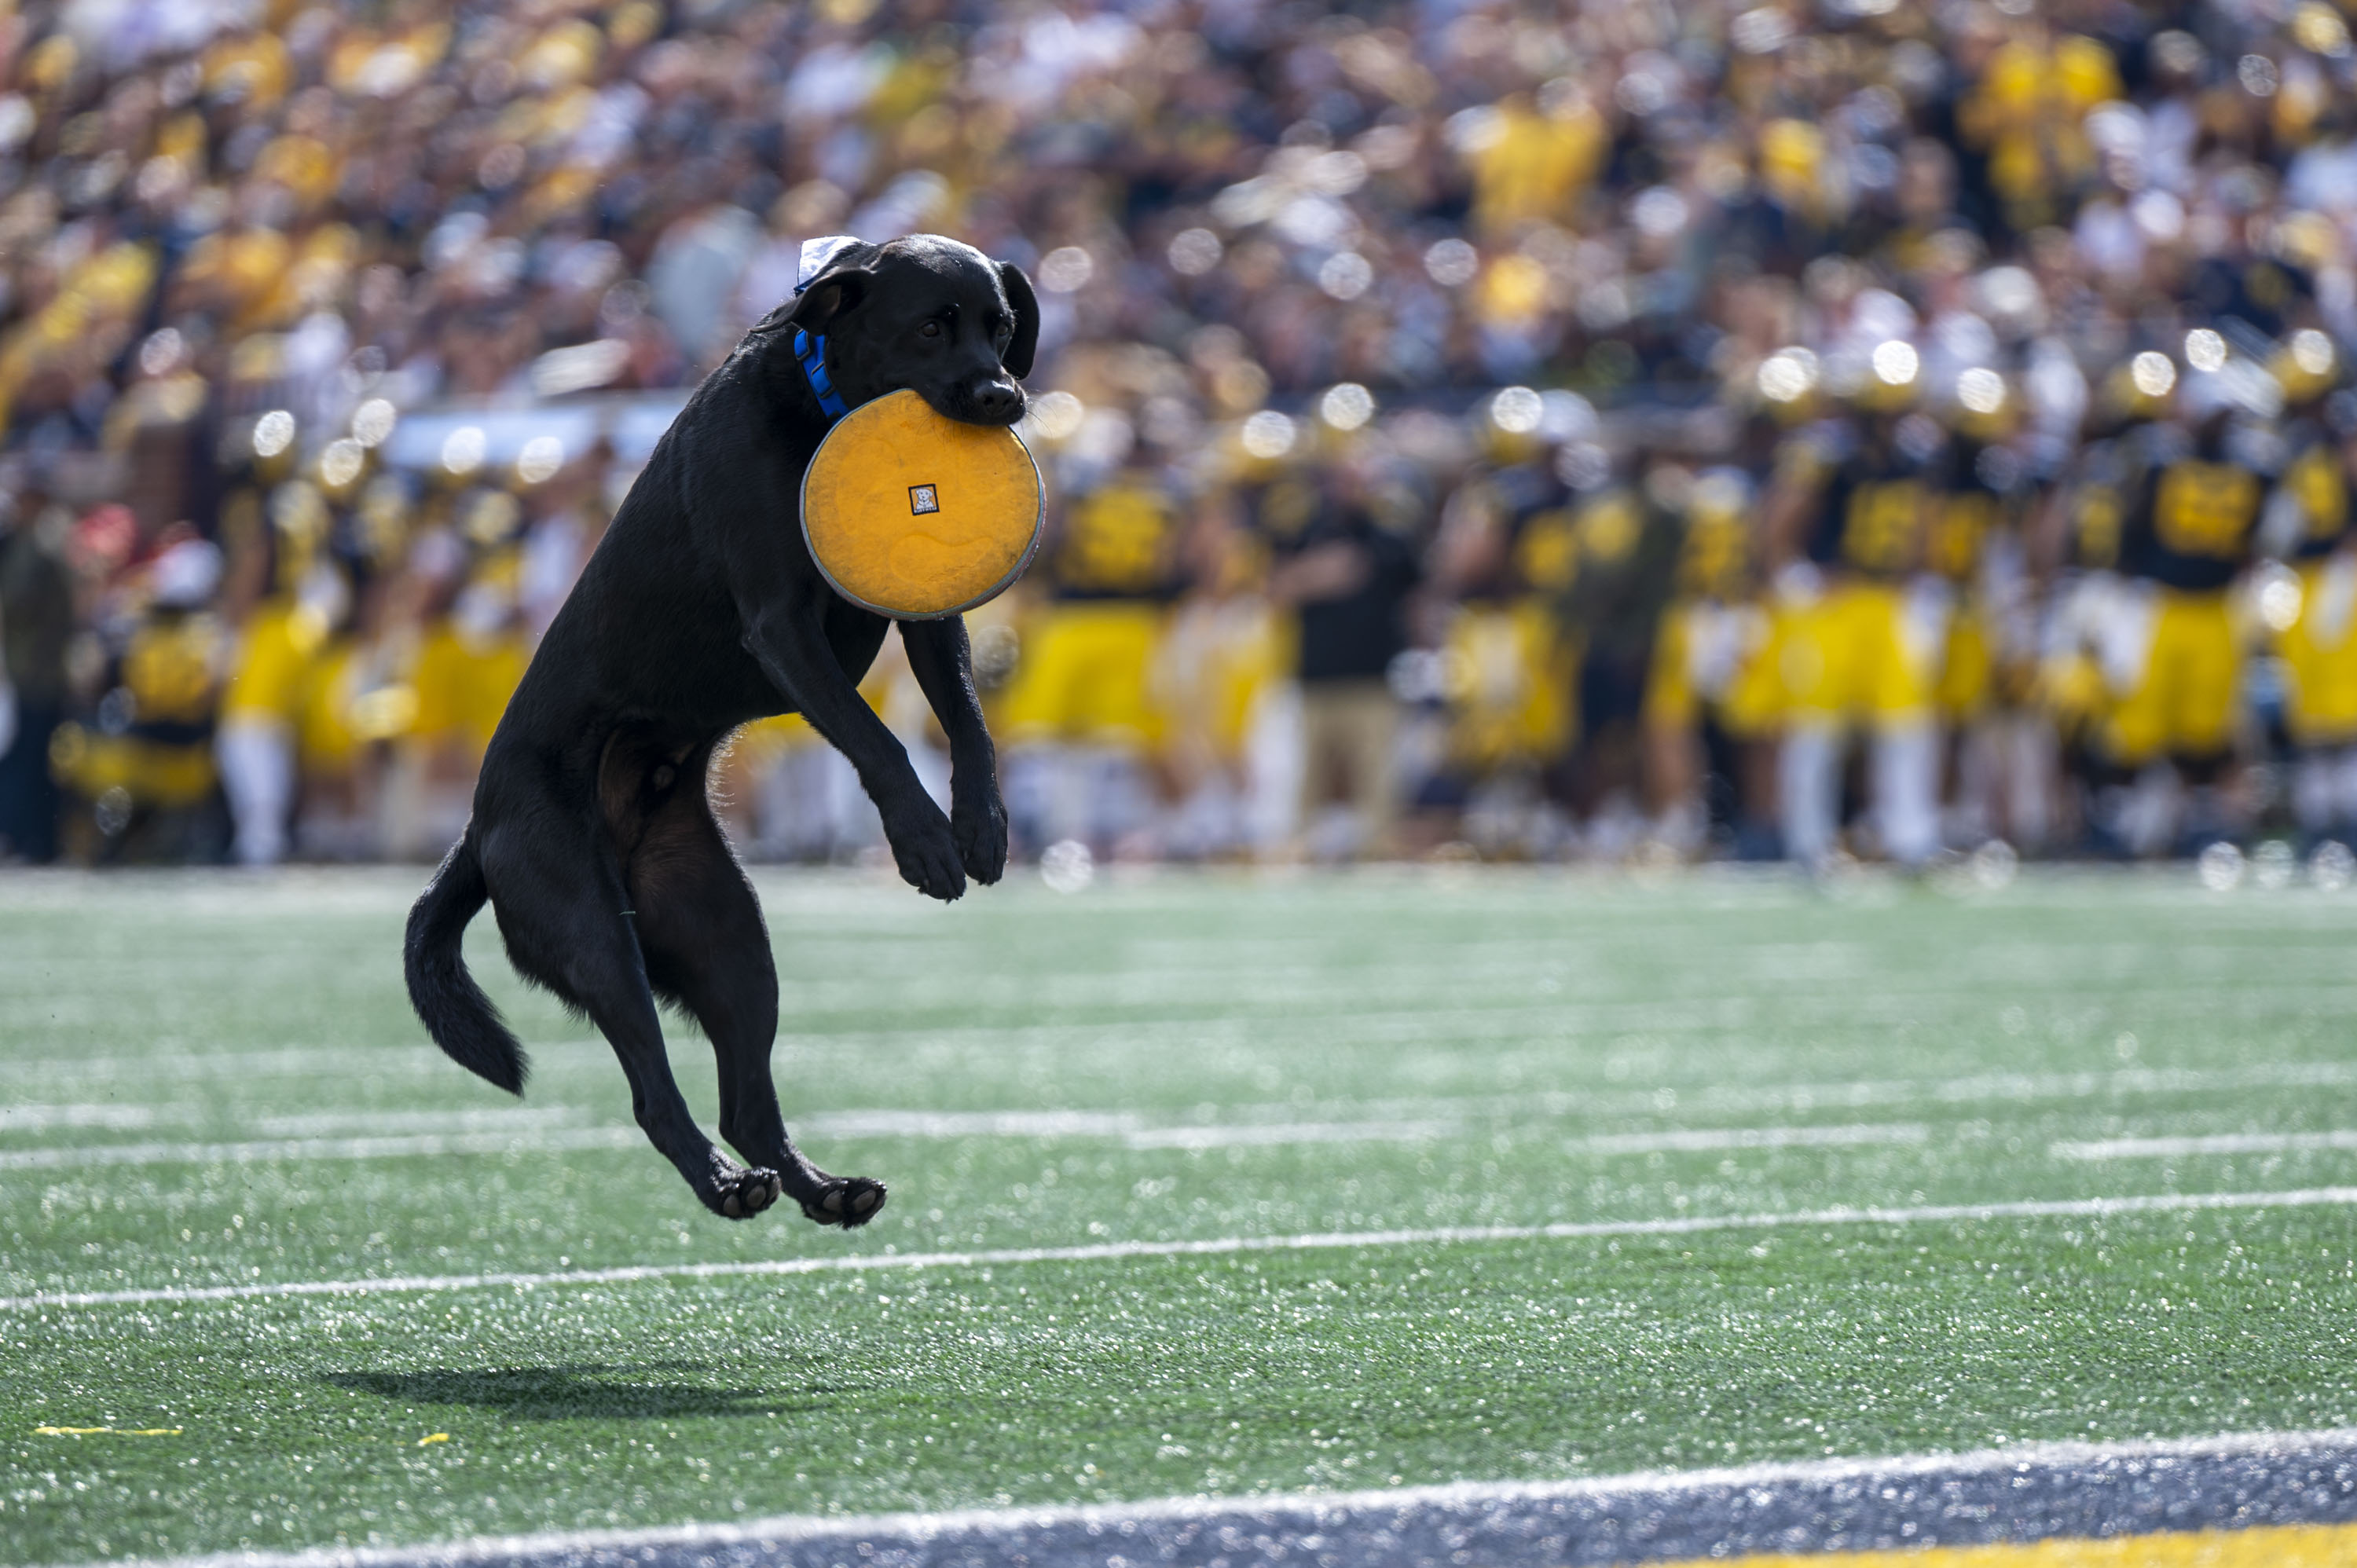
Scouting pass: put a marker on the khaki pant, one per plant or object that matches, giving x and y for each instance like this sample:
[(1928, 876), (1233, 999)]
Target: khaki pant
[(1347, 733)]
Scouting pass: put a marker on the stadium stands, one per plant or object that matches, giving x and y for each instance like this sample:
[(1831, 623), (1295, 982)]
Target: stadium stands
[(1597, 430)]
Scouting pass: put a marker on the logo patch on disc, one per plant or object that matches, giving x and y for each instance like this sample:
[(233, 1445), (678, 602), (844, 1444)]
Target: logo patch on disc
[(923, 499)]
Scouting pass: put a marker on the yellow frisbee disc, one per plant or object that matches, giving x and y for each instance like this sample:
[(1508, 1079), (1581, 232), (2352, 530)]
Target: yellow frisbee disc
[(916, 516)]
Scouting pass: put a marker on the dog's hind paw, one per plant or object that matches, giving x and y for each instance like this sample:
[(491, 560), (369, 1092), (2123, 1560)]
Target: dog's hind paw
[(748, 1193), (847, 1201)]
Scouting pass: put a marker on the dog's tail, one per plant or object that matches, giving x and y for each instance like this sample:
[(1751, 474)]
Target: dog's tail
[(461, 1019)]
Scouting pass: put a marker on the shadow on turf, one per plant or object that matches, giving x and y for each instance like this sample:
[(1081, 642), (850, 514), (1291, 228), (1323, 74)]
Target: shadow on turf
[(562, 1392)]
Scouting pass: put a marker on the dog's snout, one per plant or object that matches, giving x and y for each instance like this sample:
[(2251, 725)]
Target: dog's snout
[(1000, 401)]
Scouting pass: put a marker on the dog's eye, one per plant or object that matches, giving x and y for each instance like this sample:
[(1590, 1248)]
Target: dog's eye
[(930, 329)]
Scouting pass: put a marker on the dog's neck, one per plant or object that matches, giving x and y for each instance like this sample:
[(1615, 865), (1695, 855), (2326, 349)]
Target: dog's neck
[(810, 352), (773, 354)]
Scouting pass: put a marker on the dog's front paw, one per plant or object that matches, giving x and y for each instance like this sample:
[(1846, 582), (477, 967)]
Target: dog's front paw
[(980, 829), (847, 1201), (926, 850)]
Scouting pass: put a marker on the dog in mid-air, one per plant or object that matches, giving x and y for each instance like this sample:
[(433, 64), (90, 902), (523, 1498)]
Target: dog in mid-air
[(593, 837)]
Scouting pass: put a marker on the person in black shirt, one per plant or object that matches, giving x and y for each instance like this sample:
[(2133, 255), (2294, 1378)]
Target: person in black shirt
[(37, 626), (1348, 580)]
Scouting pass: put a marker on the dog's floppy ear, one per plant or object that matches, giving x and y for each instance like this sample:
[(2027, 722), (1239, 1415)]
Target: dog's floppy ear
[(1018, 355), (830, 297)]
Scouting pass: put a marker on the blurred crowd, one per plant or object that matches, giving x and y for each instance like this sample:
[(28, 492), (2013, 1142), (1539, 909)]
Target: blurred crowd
[(1614, 428)]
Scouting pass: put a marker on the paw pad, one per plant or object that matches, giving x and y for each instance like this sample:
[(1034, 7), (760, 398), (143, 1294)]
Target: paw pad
[(750, 1193), (850, 1203)]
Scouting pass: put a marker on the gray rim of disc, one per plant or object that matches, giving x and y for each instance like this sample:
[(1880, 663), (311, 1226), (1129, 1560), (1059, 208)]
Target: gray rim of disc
[(1030, 547)]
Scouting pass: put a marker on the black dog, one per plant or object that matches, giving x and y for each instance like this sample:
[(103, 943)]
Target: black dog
[(592, 836)]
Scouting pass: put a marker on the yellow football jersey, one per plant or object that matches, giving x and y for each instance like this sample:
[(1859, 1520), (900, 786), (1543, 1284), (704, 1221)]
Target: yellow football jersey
[(1116, 542), (2319, 486)]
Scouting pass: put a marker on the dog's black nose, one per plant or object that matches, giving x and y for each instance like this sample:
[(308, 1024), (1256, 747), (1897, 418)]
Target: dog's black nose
[(999, 400)]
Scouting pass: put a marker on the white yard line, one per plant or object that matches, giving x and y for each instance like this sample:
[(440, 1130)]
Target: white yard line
[(42, 1118), (405, 1135), (402, 1135), (289, 1061), (2012, 1086), (1606, 1100), (2218, 1143), (2058, 1208), (1695, 1139), (512, 1132), (378, 1124), (1273, 1527), (1666, 1141), (402, 1146), (1271, 1133), (969, 1123)]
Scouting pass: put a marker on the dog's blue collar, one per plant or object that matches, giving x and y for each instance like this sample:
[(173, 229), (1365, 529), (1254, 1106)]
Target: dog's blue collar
[(812, 353)]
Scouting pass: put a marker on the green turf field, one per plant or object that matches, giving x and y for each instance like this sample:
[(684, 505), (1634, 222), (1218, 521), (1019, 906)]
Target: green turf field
[(1167, 1060)]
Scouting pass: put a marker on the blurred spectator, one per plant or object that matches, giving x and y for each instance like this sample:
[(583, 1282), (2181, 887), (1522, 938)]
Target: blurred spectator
[(144, 768), (1348, 578), (37, 628)]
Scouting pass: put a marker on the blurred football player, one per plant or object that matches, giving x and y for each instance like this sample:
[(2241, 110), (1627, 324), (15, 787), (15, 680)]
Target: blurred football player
[(1509, 552), (2313, 613), (306, 598), (145, 768), (2187, 494), (1630, 543), (1081, 716), (1712, 667), (1846, 522), (2002, 758), (1218, 666)]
